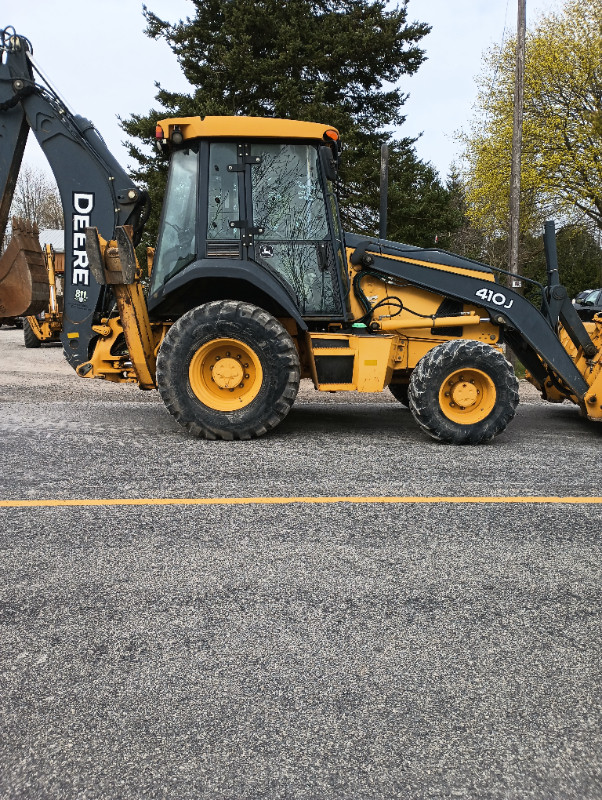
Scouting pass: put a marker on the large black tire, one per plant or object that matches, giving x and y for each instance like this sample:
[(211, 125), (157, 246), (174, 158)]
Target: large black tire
[(29, 337), (228, 370), (400, 392), (463, 392)]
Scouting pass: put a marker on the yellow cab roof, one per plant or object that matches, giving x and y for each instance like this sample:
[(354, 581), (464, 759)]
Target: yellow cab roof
[(246, 127)]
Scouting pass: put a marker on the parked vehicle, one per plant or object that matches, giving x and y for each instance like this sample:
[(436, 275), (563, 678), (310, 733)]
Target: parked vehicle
[(579, 297), (589, 304)]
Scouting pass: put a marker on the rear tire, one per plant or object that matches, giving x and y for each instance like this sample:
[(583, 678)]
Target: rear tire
[(463, 392), (228, 370), (29, 337)]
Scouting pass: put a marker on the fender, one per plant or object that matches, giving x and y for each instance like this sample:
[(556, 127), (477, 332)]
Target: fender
[(162, 302)]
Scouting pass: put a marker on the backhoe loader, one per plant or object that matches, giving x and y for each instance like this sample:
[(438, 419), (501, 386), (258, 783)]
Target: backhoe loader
[(254, 285), (46, 327)]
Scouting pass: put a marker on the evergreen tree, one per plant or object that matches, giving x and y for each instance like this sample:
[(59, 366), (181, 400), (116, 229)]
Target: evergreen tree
[(421, 210), (331, 61)]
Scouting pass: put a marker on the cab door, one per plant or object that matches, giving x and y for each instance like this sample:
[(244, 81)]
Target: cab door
[(290, 226)]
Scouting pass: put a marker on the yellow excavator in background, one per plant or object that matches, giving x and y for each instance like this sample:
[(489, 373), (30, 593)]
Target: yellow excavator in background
[(255, 285), (46, 327)]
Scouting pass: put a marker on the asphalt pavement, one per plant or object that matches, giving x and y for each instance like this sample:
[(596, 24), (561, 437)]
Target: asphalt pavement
[(341, 649)]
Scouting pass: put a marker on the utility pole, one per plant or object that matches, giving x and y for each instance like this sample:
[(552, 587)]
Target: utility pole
[(517, 140), (384, 190)]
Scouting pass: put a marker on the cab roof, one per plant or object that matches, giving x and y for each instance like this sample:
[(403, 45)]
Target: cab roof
[(245, 127)]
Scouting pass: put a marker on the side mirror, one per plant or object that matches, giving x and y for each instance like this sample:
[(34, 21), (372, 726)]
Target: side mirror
[(328, 162)]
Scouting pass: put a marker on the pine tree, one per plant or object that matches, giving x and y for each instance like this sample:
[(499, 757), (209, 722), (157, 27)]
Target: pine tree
[(337, 62)]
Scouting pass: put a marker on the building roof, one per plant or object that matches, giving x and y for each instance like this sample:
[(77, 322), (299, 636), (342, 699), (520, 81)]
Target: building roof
[(54, 238)]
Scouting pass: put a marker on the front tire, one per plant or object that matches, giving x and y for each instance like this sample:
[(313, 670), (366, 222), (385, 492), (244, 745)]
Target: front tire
[(228, 370), (463, 392)]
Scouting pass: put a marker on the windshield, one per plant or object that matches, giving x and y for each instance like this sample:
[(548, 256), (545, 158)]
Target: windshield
[(176, 247)]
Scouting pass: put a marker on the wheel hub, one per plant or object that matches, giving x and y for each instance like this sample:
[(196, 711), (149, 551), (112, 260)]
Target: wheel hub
[(467, 396), (464, 394), (227, 373)]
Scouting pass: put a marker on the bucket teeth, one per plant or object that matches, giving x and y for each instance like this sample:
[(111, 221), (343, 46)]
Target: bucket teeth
[(24, 287)]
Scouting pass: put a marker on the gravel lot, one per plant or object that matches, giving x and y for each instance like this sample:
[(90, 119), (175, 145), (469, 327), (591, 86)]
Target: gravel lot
[(304, 651)]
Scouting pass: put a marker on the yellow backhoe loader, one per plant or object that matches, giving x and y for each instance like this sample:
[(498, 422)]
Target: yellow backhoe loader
[(254, 284), (46, 326)]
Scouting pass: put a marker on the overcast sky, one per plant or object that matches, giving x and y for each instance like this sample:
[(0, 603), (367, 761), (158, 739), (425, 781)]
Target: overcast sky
[(98, 59)]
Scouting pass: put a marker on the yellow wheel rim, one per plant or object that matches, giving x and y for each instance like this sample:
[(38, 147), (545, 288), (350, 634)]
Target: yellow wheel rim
[(467, 396), (225, 374)]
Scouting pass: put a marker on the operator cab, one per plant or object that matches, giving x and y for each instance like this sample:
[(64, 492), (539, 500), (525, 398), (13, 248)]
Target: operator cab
[(250, 212)]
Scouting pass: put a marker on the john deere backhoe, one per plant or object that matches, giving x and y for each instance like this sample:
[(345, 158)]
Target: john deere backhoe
[(254, 284)]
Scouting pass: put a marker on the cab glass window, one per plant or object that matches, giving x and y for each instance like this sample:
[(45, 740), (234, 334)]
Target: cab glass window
[(288, 202), (177, 245), (223, 206)]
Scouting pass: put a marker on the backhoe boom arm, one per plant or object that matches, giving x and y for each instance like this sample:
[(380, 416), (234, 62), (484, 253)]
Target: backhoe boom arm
[(95, 190)]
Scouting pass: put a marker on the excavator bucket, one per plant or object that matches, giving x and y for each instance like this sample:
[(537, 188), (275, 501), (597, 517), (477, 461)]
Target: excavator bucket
[(24, 288)]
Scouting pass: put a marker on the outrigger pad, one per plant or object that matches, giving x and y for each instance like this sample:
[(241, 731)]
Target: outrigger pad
[(24, 288)]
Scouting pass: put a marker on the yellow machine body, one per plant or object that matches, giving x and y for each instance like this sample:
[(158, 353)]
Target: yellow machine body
[(256, 285), (590, 368), (48, 324)]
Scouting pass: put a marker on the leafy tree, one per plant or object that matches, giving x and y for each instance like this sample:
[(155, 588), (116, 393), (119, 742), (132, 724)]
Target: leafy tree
[(330, 61), (562, 133)]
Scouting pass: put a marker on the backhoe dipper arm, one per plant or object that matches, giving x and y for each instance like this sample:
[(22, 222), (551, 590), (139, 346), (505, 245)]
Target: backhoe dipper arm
[(95, 190)]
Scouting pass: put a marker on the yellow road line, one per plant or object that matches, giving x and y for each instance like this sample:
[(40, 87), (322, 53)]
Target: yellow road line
[(255, 501)]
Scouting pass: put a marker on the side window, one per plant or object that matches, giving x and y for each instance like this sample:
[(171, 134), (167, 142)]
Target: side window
[(288, 202), (223, 205), (591, 299)]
